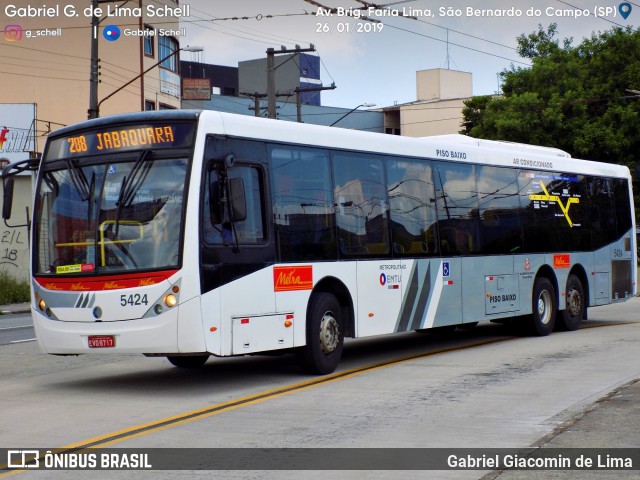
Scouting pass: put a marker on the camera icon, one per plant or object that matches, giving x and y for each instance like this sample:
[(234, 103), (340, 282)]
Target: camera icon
[(13, 33)]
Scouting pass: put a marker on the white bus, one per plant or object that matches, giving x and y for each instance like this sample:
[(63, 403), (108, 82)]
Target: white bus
[(187, 234)]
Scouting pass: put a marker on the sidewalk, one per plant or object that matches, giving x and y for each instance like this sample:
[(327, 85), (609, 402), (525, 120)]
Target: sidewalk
[(613, 421)]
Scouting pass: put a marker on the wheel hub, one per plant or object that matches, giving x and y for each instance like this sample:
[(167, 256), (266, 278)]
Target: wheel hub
[(544, 304), (574, 302), (329, 333)]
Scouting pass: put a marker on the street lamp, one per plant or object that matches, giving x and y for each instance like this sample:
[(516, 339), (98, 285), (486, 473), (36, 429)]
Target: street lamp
[(365, 105), (185, 49)]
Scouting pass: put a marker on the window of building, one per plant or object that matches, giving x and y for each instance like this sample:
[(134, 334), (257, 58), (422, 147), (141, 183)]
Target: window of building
[(166, 47), (164, 106), (149, 49), (149, 105)]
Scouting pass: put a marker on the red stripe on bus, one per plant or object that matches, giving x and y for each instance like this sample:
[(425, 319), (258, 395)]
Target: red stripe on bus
[(111, 282)]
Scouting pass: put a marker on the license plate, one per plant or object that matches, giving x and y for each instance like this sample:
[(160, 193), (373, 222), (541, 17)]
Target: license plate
[(102, 341)]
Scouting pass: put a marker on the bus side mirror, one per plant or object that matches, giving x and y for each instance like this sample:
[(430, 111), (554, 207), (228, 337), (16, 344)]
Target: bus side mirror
[(217, 199), (238, 200), (7, 200)]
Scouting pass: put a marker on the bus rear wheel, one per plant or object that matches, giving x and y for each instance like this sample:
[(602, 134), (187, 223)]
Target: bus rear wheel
[(544, 306), (325, 335), (572, 316), (188, 361)]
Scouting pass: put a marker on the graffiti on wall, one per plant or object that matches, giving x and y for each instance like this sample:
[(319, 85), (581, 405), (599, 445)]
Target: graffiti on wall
[(14, 252)]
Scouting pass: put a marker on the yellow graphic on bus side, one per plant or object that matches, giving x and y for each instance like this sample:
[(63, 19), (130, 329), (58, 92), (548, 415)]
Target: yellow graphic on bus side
[(555, 198)]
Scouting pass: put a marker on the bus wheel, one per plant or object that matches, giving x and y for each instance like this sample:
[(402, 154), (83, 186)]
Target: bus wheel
[(573, 315), (325, 335), (188, 361), (543, 317)]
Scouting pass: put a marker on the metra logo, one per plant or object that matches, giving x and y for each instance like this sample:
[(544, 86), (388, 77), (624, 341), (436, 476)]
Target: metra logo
[(292, 278), (562, 261), (79, 286), (146, 282), (112, 286)]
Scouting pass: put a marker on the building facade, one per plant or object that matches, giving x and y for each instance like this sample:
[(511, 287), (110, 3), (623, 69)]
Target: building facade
[(293, 71), (47, 59), (440, 97), (45, 52)]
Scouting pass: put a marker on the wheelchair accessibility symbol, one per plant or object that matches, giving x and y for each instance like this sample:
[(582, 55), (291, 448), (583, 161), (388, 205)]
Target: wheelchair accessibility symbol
[(445, 269)]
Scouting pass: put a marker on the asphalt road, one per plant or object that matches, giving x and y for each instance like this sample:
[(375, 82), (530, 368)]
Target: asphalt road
[(482, 388), (16, 328)]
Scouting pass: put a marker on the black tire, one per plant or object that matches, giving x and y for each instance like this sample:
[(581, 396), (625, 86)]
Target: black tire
[(544, 305), (573, 314), (325, 335), (468, 326), (188, 361)]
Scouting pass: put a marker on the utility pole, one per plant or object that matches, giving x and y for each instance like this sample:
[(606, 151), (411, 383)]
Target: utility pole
[(300, 91), (93, 79), (256, 101), (271, 74)]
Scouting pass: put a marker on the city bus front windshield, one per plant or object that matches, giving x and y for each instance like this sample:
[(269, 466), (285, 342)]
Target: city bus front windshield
[(120, 215)]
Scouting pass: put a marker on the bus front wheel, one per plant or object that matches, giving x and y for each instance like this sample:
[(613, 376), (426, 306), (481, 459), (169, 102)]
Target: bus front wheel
[(188, 361), (544, 304), (325, 335)]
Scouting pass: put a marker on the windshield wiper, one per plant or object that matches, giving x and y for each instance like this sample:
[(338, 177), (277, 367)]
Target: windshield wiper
[(130, 185), (79, 180)]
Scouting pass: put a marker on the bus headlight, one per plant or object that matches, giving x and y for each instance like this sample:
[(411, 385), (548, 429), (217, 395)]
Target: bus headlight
[(42, 305), (170, 300)]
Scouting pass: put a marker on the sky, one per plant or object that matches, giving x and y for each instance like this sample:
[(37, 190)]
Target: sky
[(376, 63)]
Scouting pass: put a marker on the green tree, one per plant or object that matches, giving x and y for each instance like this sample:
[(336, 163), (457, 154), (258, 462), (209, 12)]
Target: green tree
[(582, 99)]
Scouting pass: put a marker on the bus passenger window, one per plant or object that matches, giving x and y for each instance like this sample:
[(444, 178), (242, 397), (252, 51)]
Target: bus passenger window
[(303, 208), (500, 221), (361, 197), (412, 207), (457, 204)]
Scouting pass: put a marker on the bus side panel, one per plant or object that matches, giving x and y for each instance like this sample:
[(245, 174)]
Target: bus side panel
[(380, 293), (191, 337), (422, 292), (241, 298), (490, 288), (212, 324), (449, 310), (602, 274)]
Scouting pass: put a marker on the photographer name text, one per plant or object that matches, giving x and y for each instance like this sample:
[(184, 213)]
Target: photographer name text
[(57, 11)]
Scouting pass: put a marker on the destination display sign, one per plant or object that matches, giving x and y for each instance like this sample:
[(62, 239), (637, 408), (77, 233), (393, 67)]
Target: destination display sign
[(121, 138)]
